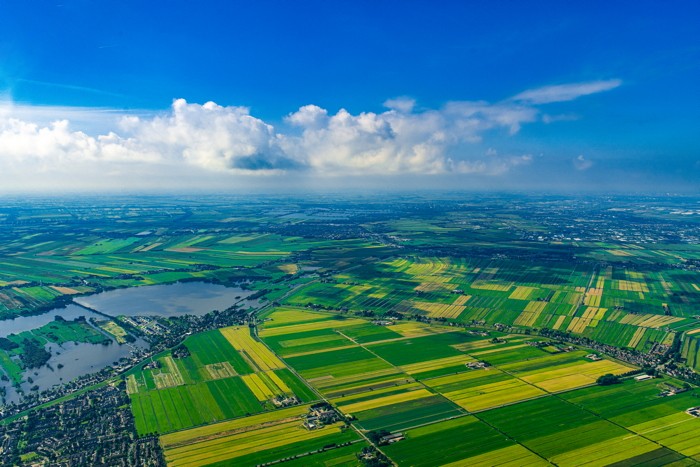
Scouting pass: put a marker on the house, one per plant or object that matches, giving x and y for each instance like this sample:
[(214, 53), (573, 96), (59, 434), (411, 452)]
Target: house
[(392, 438)]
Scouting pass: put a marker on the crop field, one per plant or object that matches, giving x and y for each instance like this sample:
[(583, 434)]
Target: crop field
[(252, 440), (456, 442), (613, 305), (256, 354), (215, 382), (628, 423), (448, 320)]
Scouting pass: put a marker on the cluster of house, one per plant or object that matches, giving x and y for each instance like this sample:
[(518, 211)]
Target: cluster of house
[(148, 325), (285, 400), (476, 365), (391, 438), (320, 415)]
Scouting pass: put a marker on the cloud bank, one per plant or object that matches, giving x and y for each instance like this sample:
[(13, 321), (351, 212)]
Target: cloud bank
[(210, 138)]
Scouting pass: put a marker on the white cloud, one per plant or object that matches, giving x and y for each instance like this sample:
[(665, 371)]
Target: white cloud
[(565, 92), (210, 136), (581, 163), (192, 140), (397, 141), (400, 104)]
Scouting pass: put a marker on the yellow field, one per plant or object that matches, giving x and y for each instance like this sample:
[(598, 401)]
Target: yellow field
[(638, 334), (437, 283), (65, 290), (496, 350), (648, 320), (386, 400), (230, 445), (256, 385), (632, 286), (493, 395), (606, 452), (522, 293), (132, 386), (578, 325), (314, 326), (512, 456), (484, 285), (559, 322), (436, 364), (411, 386), (256, 352), (114, 329), (265, 385), (194, 435), (619, 253), (574, 376), (530, 314), (439, 310), (149, 247), (290, 268), (593, 295), (462, 299), (278, 382), (410, 329)]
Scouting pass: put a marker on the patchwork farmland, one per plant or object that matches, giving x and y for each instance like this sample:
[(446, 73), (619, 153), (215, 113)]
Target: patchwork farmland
[(482, 329), (470, 396)]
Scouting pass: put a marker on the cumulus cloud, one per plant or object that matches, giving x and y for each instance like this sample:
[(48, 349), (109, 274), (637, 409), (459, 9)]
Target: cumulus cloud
[(565, 92), (210, 138)]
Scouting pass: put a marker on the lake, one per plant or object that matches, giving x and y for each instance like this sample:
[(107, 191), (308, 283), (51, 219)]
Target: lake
[(195, 298)]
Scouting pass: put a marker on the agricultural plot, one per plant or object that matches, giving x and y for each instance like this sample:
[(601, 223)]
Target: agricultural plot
[(462, 441), (215, 382), (482, 389), (526, 264), (252, 440), (612, 305), (255, 353), (363, 379)]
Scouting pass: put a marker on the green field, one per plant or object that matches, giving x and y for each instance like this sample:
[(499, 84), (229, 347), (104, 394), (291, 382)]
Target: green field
[(464, 322), (206, 387)]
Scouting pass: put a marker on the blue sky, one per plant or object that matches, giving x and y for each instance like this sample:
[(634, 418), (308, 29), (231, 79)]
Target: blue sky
[(389, 92)]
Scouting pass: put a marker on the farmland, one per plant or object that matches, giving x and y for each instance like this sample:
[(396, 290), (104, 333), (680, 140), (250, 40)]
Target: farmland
[(215, 382), (458, 323), (240, 441)]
